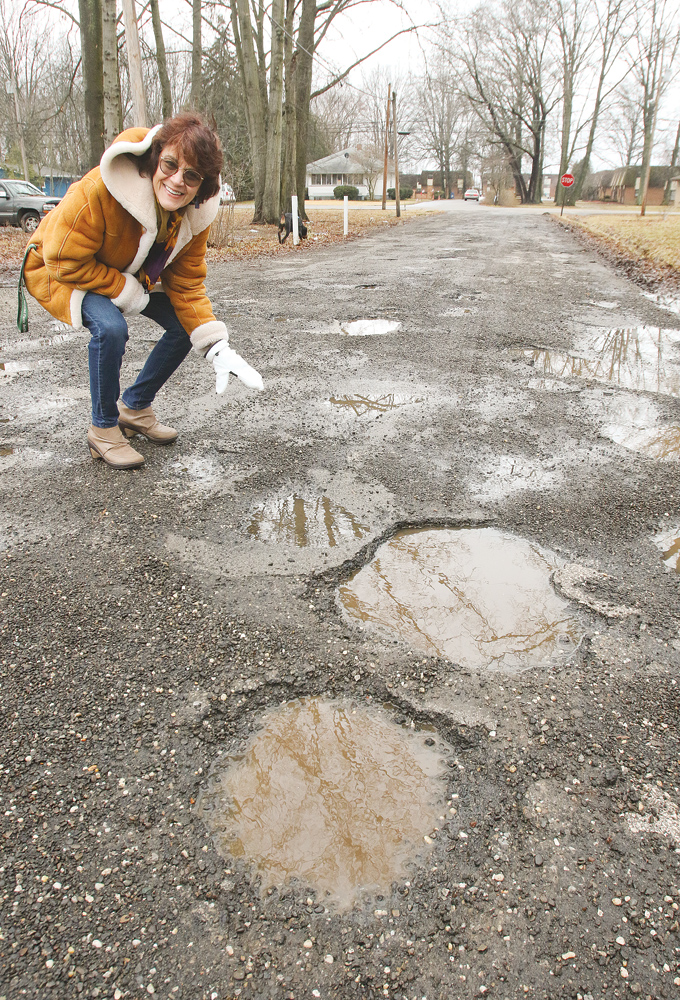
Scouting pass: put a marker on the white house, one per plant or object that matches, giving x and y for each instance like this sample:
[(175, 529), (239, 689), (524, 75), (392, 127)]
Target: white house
[(352, 166)]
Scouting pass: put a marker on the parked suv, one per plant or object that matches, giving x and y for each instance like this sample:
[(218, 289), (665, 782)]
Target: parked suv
[(23, 204)]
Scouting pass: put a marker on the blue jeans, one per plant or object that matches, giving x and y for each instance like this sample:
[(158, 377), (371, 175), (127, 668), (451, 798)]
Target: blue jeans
[(109, 335)]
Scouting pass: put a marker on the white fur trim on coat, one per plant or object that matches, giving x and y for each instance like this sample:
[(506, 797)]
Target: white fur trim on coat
[(208, 334), (133, 298), (76, 306)]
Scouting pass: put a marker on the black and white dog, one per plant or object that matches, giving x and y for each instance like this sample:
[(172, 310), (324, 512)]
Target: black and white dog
[(286, 227)]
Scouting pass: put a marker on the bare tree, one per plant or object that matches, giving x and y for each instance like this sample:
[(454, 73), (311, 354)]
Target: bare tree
[(196, 54), (93, 75), (511, 83), (161, 60), (575, 42), (336, 113), (657, 42), (622, 125), (113, 112), (258, 31), (443, 117), (613, 34)]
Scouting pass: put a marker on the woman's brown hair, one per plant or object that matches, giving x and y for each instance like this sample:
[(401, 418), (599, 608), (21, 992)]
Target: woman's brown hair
[(189, 135)]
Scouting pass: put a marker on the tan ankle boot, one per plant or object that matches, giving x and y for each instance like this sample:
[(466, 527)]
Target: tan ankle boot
[(144, 422), (108, 443)]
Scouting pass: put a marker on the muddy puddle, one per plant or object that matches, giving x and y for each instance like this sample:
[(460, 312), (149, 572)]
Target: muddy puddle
[(312, 520), (478, 596), (668, 542), (14, 367), (370, 327), (30, 458), (332, 795), (634, 425), (664, 300), (601, 304), (362, 405), (646, 359)]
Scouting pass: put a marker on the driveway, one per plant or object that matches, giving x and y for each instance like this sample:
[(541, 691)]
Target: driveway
[(525, 402)]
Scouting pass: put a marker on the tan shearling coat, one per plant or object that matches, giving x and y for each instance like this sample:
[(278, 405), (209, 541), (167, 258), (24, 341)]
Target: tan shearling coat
[(104, 228)]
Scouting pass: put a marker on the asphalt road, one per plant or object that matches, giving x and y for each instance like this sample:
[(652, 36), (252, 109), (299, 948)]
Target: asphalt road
[(150, 617)]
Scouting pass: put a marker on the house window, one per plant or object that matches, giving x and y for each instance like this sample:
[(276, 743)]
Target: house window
[(316, 178)]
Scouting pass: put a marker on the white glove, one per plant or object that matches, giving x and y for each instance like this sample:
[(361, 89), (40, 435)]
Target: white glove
[(225, 360), (133, 299)]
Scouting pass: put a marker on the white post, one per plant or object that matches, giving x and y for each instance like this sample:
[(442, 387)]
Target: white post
[(346, 215), (294, 207)]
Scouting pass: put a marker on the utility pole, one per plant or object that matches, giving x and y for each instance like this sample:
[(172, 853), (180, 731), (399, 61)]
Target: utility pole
[(396, 156), (134, 62), (12, 88), (387, 146)]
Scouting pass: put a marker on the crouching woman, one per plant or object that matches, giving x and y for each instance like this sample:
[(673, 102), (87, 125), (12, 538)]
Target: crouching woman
[(130, 238)]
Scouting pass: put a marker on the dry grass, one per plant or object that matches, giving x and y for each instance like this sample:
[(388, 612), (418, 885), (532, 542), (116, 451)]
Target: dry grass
[(325, 227), (649, 244)]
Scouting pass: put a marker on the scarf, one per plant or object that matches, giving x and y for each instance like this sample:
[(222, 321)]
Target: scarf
[(166, 240)]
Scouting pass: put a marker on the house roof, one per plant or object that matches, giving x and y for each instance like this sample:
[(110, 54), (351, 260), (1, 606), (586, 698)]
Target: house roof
[(345, 161), (627, 176)]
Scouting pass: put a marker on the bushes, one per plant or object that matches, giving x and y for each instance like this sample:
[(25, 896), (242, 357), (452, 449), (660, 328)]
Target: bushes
[(346, 189), (404, 193)]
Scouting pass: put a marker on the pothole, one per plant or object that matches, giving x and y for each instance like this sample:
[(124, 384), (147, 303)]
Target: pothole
[(202, 471), (634, 425), (478, 596), (314, 521), (641, 358), (370, 327), (664, 300), (13, 367), (362, 405), (28, 457), (333, 795), (457, 311), (669, 544)]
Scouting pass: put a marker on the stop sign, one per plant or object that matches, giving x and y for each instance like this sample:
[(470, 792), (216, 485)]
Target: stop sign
[(566, 180)]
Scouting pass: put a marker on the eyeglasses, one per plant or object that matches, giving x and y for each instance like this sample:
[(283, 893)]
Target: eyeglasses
[(168, 166)]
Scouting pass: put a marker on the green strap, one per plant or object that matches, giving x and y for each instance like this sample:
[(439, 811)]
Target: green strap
[(22, 304)]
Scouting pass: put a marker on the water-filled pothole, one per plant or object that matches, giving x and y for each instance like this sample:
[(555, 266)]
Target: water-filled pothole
[(305, 521), (633, 422), (334, 795), (669, 544), (370, 327), (478, 596), (665, 300), (361, 405), (641, 358)]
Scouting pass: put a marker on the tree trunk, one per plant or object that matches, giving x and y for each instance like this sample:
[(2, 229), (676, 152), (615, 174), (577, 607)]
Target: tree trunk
[(161, 62), (674, 160), (303, 71), (196, 56), (271, 204), (289, 113), (649, 117), (113, 113), (90, 12), (255, 109)]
